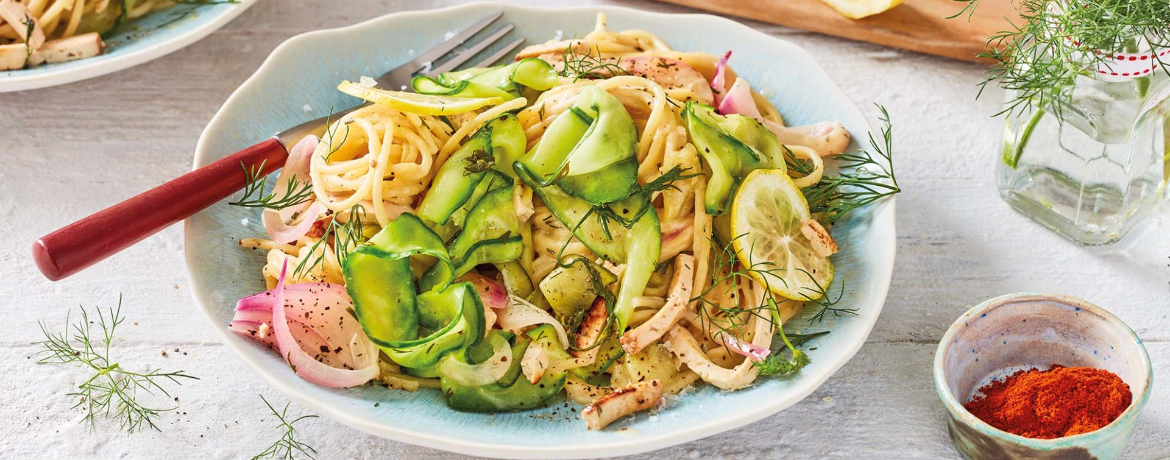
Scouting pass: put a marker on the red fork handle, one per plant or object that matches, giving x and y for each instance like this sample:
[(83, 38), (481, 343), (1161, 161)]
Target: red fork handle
[(89, 240)]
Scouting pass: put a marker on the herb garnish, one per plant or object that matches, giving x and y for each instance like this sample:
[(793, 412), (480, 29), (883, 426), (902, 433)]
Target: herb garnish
[(346, 237), (287, 446), (586, 66), (862, 180), (479, 161), (112, 391), (606, 214), (30, 26), (295, 192), (733, 320), (331, 132)]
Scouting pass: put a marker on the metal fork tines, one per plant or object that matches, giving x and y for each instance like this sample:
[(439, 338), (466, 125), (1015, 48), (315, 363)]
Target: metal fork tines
[(425, 64)]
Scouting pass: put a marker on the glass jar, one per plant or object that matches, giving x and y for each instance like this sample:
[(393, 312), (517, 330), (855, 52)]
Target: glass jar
[(1094, 166)]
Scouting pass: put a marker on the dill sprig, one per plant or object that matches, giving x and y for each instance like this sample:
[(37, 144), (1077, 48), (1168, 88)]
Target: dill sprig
[(112, 390), (666, 181), (777, 364), (30, 26), (1039, 60), (479, 161), (826, 302), (331, 134), (295, 192), (287, 446), (727, 272), (863, 179), (588, 67), (345, 237)]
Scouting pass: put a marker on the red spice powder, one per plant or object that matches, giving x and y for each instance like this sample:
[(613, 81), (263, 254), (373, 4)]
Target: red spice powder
[(1059, 402)]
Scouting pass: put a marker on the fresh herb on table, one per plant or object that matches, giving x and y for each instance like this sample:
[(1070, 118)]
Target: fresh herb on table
[(112, 390), (287, 447), (863, 179), (296, 192)]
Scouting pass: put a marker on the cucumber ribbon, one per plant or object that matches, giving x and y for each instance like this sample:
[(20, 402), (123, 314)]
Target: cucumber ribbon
[(512, 392), (732, 146), (499, 81), (589, 151)]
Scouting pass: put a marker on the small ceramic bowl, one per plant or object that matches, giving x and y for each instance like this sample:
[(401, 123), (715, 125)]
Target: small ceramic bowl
[(1023, 331)]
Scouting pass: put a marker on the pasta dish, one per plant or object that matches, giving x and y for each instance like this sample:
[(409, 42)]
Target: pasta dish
[(605, 218)]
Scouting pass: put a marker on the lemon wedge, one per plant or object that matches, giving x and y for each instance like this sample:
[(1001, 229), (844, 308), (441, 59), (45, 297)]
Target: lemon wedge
[(857, 9), (421, 104), (766, 216)]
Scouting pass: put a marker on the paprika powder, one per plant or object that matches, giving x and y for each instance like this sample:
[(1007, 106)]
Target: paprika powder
[(1054, 403)]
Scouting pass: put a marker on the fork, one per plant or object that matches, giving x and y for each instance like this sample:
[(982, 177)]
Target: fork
[(90, 240)]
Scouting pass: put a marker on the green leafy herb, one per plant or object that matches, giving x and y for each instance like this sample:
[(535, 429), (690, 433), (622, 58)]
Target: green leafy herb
[(112, 390), (331, 134), (479, 161), (726, 273), (587, 66), (295, 192), (1040, 63), (776, 363), (733, 320), (825, 301), (287, 447), (30, 25), (863, 179), (346, 236), (659, 184)]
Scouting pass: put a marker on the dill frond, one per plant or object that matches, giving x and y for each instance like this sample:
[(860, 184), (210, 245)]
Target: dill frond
[(287, 446), (111, 391), (863, 179), (296, 191)]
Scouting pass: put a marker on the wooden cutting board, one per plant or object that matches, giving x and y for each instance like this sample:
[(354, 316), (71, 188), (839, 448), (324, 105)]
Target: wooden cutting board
[(916, 25)]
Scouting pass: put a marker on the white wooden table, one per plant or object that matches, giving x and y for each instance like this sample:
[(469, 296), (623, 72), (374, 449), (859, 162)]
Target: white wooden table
[(70, 150)]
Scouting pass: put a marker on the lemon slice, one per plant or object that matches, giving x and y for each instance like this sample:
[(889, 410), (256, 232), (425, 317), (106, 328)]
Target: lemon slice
[(422, 104), (857, 9), (766, 215)]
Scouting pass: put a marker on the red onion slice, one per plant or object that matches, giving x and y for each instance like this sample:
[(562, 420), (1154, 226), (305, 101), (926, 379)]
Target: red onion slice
[(719, 81), (752, 351), (491, 293), (739, 100), (334, 325), (280, 224)]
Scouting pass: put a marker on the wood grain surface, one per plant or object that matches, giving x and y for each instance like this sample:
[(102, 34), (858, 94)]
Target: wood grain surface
[(70, 150), (916, 25)]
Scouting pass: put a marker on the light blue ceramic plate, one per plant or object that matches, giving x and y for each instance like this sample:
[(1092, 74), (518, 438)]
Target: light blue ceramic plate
[(303, 74), (145, 39)]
